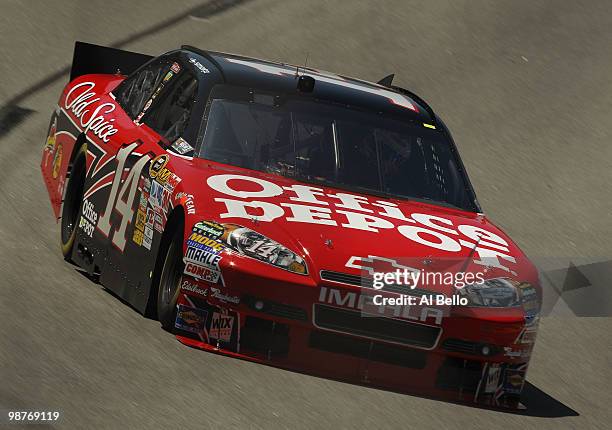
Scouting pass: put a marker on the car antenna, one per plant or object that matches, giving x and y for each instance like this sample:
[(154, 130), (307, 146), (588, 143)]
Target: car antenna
[(297, 68), (466, 263)]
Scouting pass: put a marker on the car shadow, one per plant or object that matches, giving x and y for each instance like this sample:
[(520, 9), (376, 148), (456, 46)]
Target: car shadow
[(537, 402), (95, 279)]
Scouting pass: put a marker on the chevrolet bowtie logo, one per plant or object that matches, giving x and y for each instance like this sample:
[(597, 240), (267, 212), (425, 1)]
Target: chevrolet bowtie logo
[(373, 264)]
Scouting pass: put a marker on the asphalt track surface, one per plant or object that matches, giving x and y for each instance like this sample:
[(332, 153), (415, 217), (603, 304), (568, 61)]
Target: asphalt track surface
[(526, 88)]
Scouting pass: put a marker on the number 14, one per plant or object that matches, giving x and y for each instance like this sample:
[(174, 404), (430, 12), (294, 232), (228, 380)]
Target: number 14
[(122, 196)]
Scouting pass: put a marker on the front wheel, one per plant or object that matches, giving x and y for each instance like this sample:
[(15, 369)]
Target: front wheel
[(72, 203), (169, 281)]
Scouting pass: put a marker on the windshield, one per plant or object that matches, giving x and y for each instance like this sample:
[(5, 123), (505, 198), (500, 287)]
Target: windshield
[(333, 145)]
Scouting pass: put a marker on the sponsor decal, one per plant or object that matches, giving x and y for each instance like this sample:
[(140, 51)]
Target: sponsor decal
[(492, 380), (530, 304), (158, 90), (514, 380), (364, 302), (138, 237), (89, 212), (217, 294), (139, 226), (161, 174), (199, 65), (175, 67), (171, 181), (181, 146), (159, 197), (517, 353), (203, 257), (150, 217), (79, 101), (143, 225), (209, 229), (139, 117), (221, 327), (86, 226), (187, 201), (202, 242), (201, 272), (147, 239), (141, 219), (203, 249), (89, 218), (149, 102), (158, 223), (158, 164), (51, 138), (192, 287), (162, 177), (143, 201), (308, 204), (57, 160), (499, 380), (60, 185), (191, 319)]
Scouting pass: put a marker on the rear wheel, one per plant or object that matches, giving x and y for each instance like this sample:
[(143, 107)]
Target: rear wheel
[(169, 281), (72, 202)]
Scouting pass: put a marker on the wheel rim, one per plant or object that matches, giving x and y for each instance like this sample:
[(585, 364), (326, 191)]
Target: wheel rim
[(72, 201)]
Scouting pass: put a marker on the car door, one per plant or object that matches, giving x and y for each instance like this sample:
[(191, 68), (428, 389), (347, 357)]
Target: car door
[(115, 181), (160, 105)]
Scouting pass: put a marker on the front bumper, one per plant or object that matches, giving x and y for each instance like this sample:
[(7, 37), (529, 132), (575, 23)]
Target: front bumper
[(472, 356)]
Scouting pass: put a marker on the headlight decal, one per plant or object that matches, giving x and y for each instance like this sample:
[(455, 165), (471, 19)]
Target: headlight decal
[(502, 293), (255, 245), (497, 292)]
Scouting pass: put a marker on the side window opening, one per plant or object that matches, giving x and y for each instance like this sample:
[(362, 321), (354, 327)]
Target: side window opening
[(138, 89), (170, 115)]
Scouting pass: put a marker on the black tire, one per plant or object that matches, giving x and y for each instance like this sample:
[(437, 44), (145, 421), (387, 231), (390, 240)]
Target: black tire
[(73, 197), (168, 288)]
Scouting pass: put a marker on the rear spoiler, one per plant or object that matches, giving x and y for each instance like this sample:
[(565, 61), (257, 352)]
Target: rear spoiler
[(89, 58)]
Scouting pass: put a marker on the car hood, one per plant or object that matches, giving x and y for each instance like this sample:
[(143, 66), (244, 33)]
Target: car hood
[(351, 233)]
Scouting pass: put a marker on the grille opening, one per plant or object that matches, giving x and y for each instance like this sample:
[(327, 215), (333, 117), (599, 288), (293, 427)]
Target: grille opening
[(381, 352), (467, 347), (378, 328), (261, 335), (459, 374), (359, 281)]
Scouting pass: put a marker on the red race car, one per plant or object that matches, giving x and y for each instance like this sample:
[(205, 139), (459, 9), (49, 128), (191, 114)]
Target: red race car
[(291, 217)]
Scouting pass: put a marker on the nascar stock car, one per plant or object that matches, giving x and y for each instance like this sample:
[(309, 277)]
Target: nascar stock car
[(248, 204)]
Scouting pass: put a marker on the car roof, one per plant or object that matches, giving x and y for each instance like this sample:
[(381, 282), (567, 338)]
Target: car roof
[(281, 77)]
